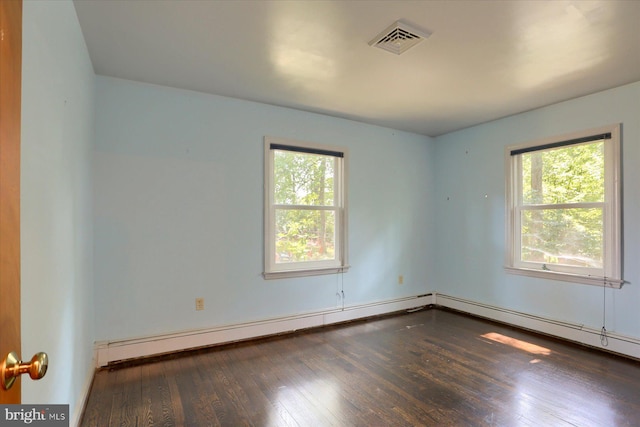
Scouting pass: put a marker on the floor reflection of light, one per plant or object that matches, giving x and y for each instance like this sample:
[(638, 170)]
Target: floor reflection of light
[(524, 406), (311, 397), (515, 343), (559, 400)]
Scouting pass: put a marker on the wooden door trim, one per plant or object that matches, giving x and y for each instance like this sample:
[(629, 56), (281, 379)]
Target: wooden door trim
[(10, 115)]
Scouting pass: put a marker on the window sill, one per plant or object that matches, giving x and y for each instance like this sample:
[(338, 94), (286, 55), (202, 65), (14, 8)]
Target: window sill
[(566, 277), (304, 273)]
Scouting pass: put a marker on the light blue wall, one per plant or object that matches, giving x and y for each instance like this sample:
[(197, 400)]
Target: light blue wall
[(471, 228), (178, 190), (57, 237)]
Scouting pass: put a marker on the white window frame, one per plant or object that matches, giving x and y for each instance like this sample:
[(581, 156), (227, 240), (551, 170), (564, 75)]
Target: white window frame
[(611, 273), (273, 270)]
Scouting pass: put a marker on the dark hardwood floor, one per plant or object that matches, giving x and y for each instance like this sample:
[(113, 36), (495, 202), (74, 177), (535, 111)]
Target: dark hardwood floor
[(429, 368)]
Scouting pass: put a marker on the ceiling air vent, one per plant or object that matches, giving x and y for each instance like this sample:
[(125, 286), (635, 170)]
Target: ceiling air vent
[(399, 37)]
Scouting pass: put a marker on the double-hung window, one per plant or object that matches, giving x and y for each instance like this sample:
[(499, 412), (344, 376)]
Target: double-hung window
[(564, 208), (305, 209)]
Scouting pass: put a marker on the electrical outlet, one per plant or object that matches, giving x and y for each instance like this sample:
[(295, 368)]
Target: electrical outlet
[(400, 279), (199, 304)]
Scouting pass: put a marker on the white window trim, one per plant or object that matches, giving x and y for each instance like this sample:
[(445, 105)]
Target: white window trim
[(279, 271), (612, 276)]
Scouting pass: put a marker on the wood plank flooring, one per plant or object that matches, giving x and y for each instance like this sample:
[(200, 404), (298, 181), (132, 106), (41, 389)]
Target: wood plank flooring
[(428, 368)]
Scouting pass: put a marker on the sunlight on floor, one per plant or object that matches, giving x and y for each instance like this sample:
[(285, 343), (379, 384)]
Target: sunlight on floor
[(515, 343)]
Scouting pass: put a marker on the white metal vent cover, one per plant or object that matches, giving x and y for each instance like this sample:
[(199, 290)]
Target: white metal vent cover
[(399, 37)]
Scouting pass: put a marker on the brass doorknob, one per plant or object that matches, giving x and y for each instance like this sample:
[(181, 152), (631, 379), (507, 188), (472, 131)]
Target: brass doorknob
[(12, 367)]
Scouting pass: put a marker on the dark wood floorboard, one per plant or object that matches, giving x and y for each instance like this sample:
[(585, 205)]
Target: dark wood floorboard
[(429, 368)]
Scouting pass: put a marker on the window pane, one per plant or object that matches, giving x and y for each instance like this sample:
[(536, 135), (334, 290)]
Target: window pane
[(303, 179), (304, 235), (563, 236), (564, 175)]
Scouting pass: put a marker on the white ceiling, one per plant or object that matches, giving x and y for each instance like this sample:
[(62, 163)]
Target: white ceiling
[(484, 60)]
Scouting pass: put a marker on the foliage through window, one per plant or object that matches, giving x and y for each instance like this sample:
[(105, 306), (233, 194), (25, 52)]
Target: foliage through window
[(304, 209), (564, 211)]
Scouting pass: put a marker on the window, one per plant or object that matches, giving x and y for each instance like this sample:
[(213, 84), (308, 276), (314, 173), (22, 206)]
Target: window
[(305, 209), (563, 208)]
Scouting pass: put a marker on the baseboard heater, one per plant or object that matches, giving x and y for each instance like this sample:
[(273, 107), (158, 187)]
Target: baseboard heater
[(122, 351), (574, 332), (113, 352)]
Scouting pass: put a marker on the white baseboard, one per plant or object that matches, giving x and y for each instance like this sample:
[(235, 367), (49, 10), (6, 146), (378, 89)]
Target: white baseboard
[(616, 343), (115, 351)]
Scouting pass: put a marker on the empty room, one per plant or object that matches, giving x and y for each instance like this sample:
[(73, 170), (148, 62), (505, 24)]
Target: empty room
[(328, 213)]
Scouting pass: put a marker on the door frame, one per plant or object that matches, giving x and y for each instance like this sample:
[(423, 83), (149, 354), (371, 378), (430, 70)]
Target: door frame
[(10, 124)]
